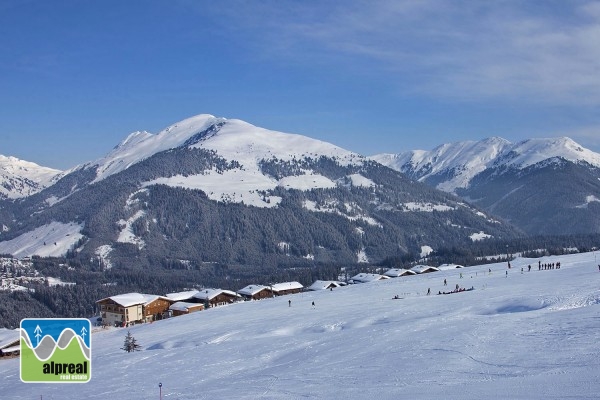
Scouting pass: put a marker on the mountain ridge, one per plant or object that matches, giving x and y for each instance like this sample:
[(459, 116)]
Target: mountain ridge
[(251, 189), (539, 185)]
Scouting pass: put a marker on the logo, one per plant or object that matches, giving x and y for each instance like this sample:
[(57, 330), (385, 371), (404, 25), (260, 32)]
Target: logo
[(56, 350)]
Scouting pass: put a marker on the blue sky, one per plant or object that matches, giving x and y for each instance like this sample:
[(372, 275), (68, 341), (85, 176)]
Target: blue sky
[(76, 77)]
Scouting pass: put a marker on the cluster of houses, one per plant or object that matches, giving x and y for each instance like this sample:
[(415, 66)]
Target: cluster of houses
[(132, 308)]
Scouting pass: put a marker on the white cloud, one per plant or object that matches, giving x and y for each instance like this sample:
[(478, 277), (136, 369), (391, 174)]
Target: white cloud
[(470, 50)]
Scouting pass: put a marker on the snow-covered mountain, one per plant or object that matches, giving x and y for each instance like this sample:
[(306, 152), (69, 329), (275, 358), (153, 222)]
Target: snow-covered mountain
[(235, 141), (453, 166), (531, 335), (507, 179), (216, 190), (20, 178)]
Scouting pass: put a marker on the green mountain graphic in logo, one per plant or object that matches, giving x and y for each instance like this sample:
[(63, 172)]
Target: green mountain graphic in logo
[(56, 350)]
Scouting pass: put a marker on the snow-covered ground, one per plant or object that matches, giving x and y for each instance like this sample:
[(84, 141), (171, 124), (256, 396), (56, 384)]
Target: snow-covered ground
[(51, 240), (531, 335)]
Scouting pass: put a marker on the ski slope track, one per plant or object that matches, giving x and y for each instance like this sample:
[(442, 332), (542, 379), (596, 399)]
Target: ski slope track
[(530, 335)]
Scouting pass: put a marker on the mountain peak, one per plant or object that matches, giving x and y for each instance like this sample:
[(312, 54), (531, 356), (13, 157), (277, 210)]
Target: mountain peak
[(451, 166), (232, 139), (141, 144), (19, 178), (533, 151)]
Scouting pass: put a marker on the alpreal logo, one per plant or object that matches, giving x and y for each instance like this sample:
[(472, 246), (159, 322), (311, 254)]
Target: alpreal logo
[(56, 350)]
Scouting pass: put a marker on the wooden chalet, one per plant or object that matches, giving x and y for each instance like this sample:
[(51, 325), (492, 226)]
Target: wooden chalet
[(446, 267), (365, 278), (186, 296), (325, 285), (10, 342), (182, 308), (398, 272), (129, 308), (216, 297), (424, 269), (255, 292), (281, 289)]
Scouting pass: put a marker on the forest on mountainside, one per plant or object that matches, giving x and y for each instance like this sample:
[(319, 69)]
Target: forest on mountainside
[(92, 283)]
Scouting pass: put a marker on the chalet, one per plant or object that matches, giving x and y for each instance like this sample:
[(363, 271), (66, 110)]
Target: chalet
[(255, 292), (423, 269), (187, 296), (445, 267), (325, 285), (10, 342), (125, 309), (280, 289), (365, 278), (182, 308), (216, 297), (398, 272)]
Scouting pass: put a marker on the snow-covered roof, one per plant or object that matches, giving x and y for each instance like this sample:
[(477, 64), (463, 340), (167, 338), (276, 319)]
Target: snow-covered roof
[(279, 287), (8, 337), (180, 296), (396, 272), (209, 294), (364, 277), (131, 299), (10, 349), (322, 285), (184, 306), (251, 290), (420, 269), (445, 267)]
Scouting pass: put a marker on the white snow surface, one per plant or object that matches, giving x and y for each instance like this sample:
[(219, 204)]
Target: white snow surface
[(235, 141), (526, 336), (50, 240), (479, 236), (467, 159)]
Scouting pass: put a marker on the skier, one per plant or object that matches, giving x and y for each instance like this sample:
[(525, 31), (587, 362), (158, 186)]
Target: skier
[(313, 304), (289, 303), (428, 291), (446, 283)]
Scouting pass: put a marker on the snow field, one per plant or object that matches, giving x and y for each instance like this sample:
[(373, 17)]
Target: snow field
[(517, 336)]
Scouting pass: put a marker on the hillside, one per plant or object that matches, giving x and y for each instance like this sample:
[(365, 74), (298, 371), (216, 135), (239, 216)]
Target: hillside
[(209, 190), (521, 336)]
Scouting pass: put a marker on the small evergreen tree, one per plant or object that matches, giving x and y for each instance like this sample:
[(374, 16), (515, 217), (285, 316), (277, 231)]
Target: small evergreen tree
[(131, 343)]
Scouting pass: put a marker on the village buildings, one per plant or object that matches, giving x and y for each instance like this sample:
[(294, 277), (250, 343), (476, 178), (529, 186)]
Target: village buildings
[(325, 285), (255, 292), (129, 308), (398, 272)]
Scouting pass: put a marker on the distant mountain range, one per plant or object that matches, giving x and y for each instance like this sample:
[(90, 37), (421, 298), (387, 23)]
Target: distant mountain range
[(211, 190), (542, 186), (20, 178)]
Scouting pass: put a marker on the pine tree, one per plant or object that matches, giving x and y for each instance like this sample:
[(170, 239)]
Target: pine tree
[(130, 343)]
